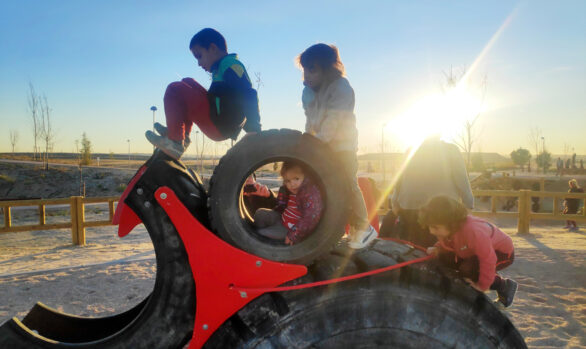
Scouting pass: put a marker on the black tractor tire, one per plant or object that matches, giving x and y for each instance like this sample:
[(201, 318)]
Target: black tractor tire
[(225, 205), (412, 307), (164, 319)]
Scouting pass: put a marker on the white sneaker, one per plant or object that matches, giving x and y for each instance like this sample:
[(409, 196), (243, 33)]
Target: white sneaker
[(362, 238)]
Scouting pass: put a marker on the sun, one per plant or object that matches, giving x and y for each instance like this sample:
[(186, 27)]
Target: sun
[(437, 114)]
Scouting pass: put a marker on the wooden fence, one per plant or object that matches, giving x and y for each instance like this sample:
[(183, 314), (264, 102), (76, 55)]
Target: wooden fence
[(78, 224), (524, 213)]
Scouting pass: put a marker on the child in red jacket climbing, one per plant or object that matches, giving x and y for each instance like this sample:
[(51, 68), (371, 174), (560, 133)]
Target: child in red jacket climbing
[(474, 246)]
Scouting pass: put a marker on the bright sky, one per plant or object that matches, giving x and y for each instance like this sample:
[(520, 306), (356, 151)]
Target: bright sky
[(103, 64)]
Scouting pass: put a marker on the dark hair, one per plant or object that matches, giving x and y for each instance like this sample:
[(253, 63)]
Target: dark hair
[(289, 165), (445, 211), (206, 37), (324, 56)]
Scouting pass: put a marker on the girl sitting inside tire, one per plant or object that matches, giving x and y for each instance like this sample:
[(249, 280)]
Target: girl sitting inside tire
[(298, 211)]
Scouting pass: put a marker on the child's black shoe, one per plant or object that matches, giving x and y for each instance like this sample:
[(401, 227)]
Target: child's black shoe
[(507, 293), (167, 146)]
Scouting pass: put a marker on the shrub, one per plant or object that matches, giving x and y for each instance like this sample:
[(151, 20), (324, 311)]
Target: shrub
[(121, 188)]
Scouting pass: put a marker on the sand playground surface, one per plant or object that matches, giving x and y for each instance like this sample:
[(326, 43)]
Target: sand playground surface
[(110, 275)]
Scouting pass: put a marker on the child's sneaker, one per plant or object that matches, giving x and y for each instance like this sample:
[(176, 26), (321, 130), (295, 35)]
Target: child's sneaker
[(167, 146), (162, 130), (507, 294), (363, 238)]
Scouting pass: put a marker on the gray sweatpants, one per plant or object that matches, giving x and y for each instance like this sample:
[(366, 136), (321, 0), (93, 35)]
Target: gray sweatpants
[(268, 223), (359, 216)]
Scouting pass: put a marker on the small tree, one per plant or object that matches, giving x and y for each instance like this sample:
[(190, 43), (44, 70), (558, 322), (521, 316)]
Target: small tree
[(534, 138), (86, 150), (47, 134), (520, 157), (13, 139), (33, 101), (543, 160)]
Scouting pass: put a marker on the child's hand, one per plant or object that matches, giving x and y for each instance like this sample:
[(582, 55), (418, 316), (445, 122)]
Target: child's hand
[(432, 251), (288, 242), (473, 284)]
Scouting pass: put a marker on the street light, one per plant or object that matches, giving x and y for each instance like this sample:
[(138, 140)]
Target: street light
[(382, 148), (543, 153)]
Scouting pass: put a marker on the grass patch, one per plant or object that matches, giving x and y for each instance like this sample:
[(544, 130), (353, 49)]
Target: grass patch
[(120, 188), (6, 178)]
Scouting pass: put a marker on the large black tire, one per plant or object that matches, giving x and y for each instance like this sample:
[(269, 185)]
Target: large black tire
[(165, 319), (413, 307), (228, 220)]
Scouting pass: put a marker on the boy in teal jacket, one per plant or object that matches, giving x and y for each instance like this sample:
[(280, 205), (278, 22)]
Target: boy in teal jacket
[(221, 112)]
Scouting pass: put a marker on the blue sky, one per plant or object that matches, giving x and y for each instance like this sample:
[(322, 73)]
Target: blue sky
[(103, 64)]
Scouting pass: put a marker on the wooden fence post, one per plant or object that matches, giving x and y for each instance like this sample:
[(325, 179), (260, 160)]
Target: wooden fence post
[(77, 219), (524, 211), (73, 213), (42, 214), (80, 220), (7, 217)]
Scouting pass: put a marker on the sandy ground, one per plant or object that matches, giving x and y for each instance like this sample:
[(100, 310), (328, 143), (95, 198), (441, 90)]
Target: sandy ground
[(110, 275)]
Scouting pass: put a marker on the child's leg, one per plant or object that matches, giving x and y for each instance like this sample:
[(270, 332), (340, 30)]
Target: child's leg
[(503, 260), (269, 224), (264, 217), (186, 102), (276, 231), (359, 216)]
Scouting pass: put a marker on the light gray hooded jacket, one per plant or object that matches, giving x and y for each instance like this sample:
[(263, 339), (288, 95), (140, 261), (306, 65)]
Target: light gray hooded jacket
[(330, 115)]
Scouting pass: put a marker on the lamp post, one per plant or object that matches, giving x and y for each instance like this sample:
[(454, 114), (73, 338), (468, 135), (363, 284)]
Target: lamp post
[(154, 109), (128, 140), (382, 150), (543, 153)]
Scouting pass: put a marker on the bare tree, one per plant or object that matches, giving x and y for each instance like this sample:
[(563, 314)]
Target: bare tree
[(47, 133), (34, 109), (13, 139), (534, 138), (468, 136), (258, 80), (567, 149)]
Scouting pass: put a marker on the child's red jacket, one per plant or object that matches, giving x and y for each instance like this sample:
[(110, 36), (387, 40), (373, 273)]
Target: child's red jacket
[(479, 238)]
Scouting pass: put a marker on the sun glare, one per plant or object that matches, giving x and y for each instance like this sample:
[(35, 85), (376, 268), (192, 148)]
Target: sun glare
[(439, 114)]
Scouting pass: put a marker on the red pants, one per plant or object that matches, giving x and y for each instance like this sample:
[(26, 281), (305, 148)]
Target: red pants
[(186, 103)]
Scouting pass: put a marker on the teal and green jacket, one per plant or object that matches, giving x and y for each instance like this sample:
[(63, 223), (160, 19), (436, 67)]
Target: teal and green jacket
[(233, 101)]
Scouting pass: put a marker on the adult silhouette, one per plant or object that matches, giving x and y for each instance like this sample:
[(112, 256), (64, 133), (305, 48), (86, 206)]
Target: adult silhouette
[(436, 168)]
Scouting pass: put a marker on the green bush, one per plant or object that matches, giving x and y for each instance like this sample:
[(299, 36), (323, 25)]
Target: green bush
[(121, 188)]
